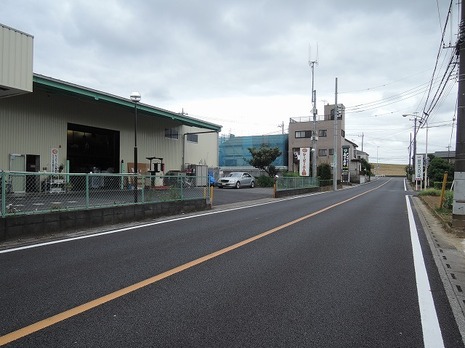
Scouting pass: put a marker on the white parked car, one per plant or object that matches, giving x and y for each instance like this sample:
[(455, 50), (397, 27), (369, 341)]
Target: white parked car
[(236, 180)]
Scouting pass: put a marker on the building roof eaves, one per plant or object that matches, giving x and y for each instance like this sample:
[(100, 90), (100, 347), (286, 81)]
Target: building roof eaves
[(113, 99)]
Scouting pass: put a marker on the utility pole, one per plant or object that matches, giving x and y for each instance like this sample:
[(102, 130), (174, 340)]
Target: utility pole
[(314, 112), (410, 154), (458, 209), (414, 139), (335, 151), (282, 127), (414, 157), (425, 184)]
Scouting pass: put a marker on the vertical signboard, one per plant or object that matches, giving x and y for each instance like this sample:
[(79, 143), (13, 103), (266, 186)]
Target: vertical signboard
[(54, 160), (419, 167), (345, 158), (304, 169)]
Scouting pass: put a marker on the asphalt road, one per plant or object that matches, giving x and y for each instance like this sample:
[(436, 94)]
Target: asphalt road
[(223, 196), (337, 269)]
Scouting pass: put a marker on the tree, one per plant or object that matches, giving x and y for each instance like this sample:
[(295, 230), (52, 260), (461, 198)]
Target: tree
[(409, 170), (437, 167), (365, 167), (324, 171), (263, 158)]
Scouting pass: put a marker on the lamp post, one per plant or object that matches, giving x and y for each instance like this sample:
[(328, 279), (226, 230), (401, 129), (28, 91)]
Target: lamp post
[(415, 116), (135, 97)]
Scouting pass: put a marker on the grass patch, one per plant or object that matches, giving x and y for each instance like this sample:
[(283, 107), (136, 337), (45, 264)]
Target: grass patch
[(430, 192), (446, 208)]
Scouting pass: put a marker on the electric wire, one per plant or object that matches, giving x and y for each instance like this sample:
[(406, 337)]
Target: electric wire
[(441, 45)]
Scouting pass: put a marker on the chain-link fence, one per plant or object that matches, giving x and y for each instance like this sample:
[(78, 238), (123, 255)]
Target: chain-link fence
[(292, 183), (31, 193)]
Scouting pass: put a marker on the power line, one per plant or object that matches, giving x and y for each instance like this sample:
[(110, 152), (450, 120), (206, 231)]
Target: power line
[(441, 45), (407, 94)]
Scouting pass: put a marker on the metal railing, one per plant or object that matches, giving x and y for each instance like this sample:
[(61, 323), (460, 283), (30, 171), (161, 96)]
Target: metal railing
[(292, 183), (35, 193)]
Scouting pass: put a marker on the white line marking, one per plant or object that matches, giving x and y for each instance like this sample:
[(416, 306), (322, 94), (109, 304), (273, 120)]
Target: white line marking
[(432, 336), (124, 229), (129, 228)]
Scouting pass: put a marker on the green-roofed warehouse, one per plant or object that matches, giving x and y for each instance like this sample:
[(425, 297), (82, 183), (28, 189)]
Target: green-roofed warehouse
[(93, 131)]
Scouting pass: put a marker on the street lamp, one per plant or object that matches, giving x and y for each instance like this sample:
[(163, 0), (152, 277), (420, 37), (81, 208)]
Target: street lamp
[(135, 97), (415, 116)]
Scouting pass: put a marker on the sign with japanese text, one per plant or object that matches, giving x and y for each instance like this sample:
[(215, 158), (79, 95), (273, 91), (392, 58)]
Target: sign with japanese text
[(304, 168), (419, 167), (54, 160), (345, 158)]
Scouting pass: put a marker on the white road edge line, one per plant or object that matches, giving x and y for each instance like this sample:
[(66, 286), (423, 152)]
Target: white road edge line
[(128, 228), (432, 336), (93, 235)]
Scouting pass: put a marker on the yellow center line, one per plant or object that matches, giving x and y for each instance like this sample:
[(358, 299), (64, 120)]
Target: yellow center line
[(27, 330)]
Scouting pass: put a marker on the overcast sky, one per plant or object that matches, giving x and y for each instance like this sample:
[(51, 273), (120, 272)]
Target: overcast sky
[(245, 64)]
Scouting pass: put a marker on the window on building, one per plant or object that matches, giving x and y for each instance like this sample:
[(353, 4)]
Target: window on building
[(322, 152), (303, 134), (331, 152), (323, 133), (193, 138), (171, 133)]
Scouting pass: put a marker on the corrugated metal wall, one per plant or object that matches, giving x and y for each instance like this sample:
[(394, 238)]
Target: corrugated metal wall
[(37, 122), (16, 54), (205, 151)]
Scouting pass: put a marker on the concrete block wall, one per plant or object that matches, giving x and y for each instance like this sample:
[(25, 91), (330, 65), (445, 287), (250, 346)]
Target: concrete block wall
[(17, 227)]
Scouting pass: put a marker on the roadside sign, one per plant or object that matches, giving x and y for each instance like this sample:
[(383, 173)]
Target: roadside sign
[(419, 167)]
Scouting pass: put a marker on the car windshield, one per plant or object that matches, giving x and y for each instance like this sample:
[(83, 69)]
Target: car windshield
[(234, 174)]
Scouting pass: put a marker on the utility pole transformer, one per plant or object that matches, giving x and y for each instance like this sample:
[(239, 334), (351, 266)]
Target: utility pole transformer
[(458, 210)]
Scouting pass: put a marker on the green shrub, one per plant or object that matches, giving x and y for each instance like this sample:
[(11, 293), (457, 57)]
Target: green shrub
[(326, 183), (291, 174), (265, 181), (324, 171), (448, 199)]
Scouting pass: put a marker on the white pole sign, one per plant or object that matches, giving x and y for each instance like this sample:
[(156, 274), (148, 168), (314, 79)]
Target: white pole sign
[(54, 160), (419, 167), (304, 161)]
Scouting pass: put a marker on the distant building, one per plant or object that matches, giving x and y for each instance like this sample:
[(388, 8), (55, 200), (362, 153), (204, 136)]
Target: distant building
[(15, 62), (449, 156), (361, 155), (234, 154), (50, 125), (302, 132)]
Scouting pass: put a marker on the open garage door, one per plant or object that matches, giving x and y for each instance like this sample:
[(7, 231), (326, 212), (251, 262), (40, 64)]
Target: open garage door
[(91, 149)]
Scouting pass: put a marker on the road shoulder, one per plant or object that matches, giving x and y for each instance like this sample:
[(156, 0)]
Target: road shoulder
[(449, 257)]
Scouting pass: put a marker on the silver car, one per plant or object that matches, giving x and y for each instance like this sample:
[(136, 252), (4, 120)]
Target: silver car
[(237, 180)]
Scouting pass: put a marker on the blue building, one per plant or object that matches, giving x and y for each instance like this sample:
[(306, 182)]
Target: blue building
[(234, 153)]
